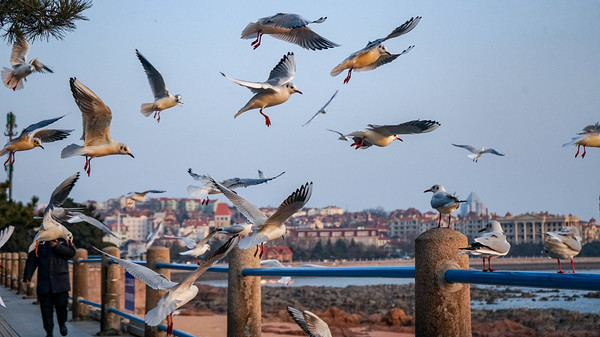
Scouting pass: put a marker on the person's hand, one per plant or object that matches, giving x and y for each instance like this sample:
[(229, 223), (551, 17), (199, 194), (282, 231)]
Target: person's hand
[(53, 243)]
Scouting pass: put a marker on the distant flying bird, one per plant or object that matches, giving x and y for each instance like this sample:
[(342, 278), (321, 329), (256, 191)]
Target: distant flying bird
[(590, 136), (241, 229), (268, 228), (443, 202), (132, 197), (96, 128), (4, 236), (276, 90), (563, 244), (374, 54), (30, 139), (153, 235), (288, 27), (490, 244), (202, 192), (384, 135), (14, 78), (77, 217), (178, 293), (323, 110), (195, 248), (312, 325), (476, 153), (51, 229), (162, 98)]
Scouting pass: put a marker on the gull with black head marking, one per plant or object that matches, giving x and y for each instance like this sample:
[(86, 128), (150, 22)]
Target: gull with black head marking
[(96, 117), (384, 135), (590, 136), (443, 202)]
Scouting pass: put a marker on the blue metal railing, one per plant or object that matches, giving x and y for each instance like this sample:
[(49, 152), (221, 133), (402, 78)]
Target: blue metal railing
[(391, 272)]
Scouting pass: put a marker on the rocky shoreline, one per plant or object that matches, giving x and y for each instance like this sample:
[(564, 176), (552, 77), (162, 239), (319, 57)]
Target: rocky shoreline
[(391, 308)]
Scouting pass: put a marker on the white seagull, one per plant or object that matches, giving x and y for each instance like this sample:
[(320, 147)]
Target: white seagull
[(202, 192), (312, 325), (384, 135), (240, 229), (162, 98), (476, 153), (4, 236), (590, 136), (276, 90), (563, 244), (30, 139), (323, 110), (132, 197), (96, 128), (153, 235), (14, 78), (51, 229), (490, 244), (178, 293), (374, 54), (288, 27), (268, 228), (195, 248), (443, 202), (77, 217), (272, 263)]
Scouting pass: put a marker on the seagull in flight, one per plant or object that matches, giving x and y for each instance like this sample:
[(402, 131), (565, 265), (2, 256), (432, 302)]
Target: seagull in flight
[(288, 27), (96, 128), (202, 192), (563, 244), (375, 54), (14, 78), (312, 325), (153, 235), (132, 197), (476, 153), (30, 138), (178, 294), (267, 228), (443, 202), (490, 244), (276, 90), (195, 248), (5, 234), (240, 229), (384, 135), (323, 110), (590, 136), (162, 98)]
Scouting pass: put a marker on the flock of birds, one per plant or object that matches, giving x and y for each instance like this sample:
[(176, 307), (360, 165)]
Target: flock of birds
[(259, 228)]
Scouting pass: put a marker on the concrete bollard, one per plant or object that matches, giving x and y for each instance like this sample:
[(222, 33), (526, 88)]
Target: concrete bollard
[(80, 285), (3, 269), (22, 285), (110, 323), (243, 295), (7, 268), (156, 254), (441, 308), (14, 277)]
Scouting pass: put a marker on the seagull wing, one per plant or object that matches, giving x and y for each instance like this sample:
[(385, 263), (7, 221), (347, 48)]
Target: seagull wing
[(39, 124), (331, 99), (19, 51), (492, 151), (60, 193), (251, 212), (207, 238), (309, 322), (342, 136), (212, 259), (5, 234), (284, 71), (412, 127), (51, 135), (202, 178), (245, 182), (153, 279), (289, 206), (304, 37), (76, 217), (272, 263), (403, 29), (494, 241), (313, 117), (255, 87), (157, 83), (39, 66), (592, 128), (470, 148), (95, 114), (384, 59), (189, 242)]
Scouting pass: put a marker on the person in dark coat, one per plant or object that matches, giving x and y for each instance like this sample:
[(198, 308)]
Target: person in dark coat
[(52, 262)]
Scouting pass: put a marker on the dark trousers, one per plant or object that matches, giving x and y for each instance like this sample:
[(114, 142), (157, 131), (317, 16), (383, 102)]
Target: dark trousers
[(50, 301)]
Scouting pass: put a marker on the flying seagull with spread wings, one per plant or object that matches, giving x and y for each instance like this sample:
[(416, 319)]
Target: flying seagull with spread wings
[(14, 78), (384, 135)]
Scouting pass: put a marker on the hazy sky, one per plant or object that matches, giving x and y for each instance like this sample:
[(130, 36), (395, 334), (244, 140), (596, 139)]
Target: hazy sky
[(521, 77)]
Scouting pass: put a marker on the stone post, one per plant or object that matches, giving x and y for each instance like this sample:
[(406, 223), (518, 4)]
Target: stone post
[(110, 323), (22, 285), (14, 277), (154, 255), (243, 295), (32, 285), (441, 308), (80, 285), (3, 269), (7, 268)]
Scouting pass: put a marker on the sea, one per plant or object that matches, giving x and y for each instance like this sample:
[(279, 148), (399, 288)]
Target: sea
[(542, 297)]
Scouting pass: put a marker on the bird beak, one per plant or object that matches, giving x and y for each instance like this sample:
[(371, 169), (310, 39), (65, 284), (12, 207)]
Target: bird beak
[(398, 138), (483, 229), (298, 91), (428, 190), (387, 52), (42, 147), (131, 155)]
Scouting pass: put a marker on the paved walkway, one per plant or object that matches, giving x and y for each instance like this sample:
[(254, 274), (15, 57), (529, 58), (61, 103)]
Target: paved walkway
[(22, 318)]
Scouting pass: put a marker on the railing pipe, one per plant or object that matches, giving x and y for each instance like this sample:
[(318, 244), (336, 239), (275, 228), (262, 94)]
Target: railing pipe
[(190, 267), (110, 324), (80, 284), (387, 272)]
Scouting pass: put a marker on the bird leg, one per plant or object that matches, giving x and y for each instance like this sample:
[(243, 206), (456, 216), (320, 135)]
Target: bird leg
[(88, 165), (256, 252), (572, 266), (256, 42), (198, 262), (490, 264), (576, 154), (262, 250), (449, 220), (170, 325), (347, 79), (358, 145), (10, 156), (158, 120), (267, 120), (560, 271), (583, 154), (36, 247), (484, 269), (440, 220)]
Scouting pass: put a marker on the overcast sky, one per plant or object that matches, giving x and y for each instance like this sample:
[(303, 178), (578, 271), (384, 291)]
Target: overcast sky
[(521, 77)]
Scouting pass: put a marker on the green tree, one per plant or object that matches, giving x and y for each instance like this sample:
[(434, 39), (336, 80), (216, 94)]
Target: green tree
[(21, 216), (40, 19)]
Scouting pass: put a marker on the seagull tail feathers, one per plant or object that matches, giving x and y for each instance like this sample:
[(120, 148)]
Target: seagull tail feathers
[(156, 315), (9, 81), (71, 150), (250, 31), (147, 109), (187, 252), (472, 156), (251, 241), (338, 69), (573, 141)]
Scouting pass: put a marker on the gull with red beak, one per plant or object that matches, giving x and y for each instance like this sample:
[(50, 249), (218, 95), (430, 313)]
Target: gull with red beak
[(443, 202), (384, 135), (276, 90)]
